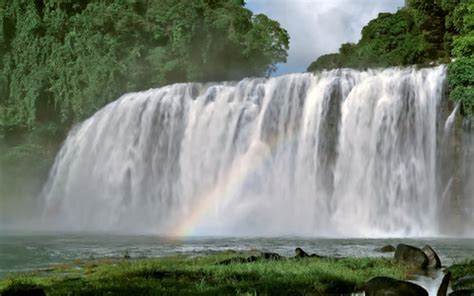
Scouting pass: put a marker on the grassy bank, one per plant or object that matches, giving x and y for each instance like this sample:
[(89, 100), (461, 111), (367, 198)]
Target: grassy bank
[(203, 275), (460, 271)]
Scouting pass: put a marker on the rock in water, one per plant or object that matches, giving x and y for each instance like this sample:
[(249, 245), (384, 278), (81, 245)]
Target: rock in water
[(385, 286), (386, 249), (433, 258), (300, 253), (271, 256), (267, 256), (443, 288), (411, 256)]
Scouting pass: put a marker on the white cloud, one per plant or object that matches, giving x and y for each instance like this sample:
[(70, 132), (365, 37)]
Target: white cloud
[(318, 27)]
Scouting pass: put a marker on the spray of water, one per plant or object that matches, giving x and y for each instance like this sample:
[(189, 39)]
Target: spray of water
[(337, 153)]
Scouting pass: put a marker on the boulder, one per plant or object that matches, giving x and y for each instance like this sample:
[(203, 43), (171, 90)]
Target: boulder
[(386, 249), (126, 255), (411, 256), (235, 260), (443, 287), (433, 258), (270, 256), (385, 286), (267, 256), (300, 253)]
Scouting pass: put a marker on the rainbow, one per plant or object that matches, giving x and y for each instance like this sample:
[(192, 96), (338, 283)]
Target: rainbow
[(228, 185)]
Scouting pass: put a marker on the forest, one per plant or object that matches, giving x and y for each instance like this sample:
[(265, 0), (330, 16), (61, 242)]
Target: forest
[(424, 32), (61, 61)]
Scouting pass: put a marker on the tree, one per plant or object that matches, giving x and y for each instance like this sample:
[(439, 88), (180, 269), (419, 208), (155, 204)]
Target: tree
[(60, 61)]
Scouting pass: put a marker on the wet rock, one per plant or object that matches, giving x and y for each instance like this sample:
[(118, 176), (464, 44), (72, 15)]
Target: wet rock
[(433, 258), (264, 256), (270, 256), (385, 286), (236, 260), (462, 293), (126, 255), (386, 249), (443, 288), (300, 253), (23, 291), (340, 287), (411, 256)]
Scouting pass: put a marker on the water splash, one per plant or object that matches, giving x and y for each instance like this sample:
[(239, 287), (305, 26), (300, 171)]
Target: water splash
[(340, 153), (448, 126)]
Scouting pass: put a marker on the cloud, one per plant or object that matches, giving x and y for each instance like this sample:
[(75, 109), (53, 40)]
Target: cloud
[(318, 27)]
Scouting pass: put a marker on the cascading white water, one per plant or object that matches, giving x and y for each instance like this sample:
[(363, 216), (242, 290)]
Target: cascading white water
[(468, 178), (342, 152)]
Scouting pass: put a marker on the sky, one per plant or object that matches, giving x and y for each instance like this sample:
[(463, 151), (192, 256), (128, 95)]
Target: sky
[(318, 27)]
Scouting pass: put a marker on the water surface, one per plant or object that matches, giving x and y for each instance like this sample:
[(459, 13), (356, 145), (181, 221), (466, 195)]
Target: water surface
[(24, 253)]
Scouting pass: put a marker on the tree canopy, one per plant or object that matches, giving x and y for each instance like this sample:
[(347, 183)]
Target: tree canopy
[(422, 32), (61, 60)]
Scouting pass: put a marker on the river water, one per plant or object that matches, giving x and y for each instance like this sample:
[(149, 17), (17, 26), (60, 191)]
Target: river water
[(24, 253)]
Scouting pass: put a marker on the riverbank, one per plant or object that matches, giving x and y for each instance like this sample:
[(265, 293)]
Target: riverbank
[(203, 275), (236, 272)]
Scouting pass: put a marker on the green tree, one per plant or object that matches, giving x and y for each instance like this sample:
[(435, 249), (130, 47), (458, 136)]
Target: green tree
[(60, 61), (421, 32)]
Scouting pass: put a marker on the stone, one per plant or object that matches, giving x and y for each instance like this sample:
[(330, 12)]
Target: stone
[(270, 256), (443, 287), (386, 249), (433, 258), (126, 255), (267, 256), (300, 253), (411, 256), (386, 286)]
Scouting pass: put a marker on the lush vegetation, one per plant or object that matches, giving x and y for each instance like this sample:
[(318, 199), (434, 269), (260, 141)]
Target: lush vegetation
[(462, 270), (60, 61), (423, 32), (202, 276)]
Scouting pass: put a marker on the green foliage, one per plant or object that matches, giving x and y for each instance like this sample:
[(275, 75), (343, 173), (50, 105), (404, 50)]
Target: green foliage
[(460, 270), (463, 46), (422, 32), (390, 39), (201, 276), (461, 79), (461, 71), (60, 61)]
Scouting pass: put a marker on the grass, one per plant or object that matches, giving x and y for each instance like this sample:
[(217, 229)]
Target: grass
[(202, 276), (460, 270)]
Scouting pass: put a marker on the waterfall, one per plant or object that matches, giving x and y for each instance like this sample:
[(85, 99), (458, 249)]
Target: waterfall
[(338, 153), (468, 177)]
